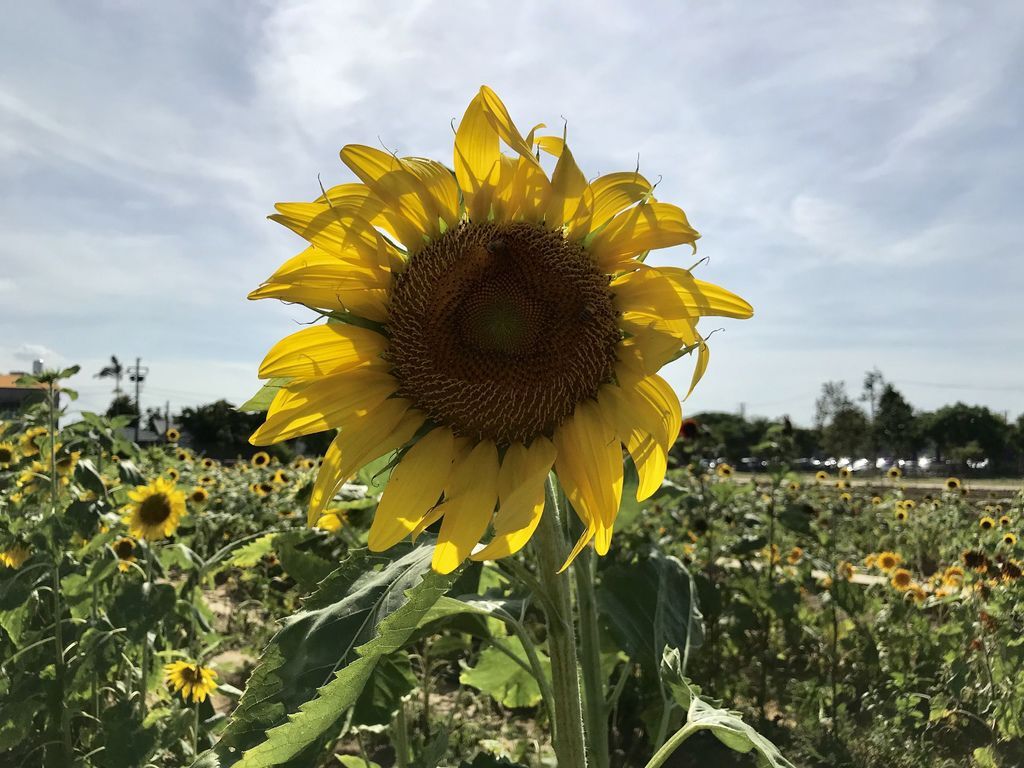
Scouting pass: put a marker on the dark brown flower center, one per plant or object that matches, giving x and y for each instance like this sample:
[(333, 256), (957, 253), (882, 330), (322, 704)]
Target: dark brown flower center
[(6, 455), (155, 509), (499, 330), (124, 549)]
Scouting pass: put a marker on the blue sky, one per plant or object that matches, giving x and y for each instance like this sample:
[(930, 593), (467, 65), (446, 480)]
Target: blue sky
[(855, 171)]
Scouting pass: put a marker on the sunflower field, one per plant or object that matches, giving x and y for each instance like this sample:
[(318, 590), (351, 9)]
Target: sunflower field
[(513, 551)]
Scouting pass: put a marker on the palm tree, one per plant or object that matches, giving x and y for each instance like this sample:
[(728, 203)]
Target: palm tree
[(113, 371)]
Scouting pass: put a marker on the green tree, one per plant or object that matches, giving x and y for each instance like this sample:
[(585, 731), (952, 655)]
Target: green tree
[(954, 427), (219, 429), (895, 426), (123, 405), (845, 429)]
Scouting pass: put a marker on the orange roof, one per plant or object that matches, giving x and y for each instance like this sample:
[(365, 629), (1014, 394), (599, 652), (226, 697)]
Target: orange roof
[(7, 382)]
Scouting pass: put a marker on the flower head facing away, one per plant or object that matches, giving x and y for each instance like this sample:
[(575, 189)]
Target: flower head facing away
[(492, 325)]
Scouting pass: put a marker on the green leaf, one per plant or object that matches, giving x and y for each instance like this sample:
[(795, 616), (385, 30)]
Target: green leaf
[(728, 727), (650, 605), (261, 400), (139, 608), (250, 554), (316, 667), (501, 677), (354, 761), (306, 568), (375, 475), (87, 476), (130, 474), (391, 680)]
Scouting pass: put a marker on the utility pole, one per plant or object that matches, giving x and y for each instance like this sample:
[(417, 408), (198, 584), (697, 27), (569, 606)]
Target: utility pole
[(137, 373), (167, 416)]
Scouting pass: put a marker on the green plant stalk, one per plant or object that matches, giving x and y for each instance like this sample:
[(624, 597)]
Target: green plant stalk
[(550, 547), (595, 710), (401, 731), (144, 669), (672, 745), (769, 577), (58, 609)]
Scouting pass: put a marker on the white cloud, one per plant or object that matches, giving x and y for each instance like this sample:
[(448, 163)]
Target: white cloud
[(847, 165)]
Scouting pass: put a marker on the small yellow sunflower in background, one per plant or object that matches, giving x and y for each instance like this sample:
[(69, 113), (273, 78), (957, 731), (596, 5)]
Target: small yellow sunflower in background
[(795, 555), (8, 455), (846, 498), (1005, 521), (307, 463), (155, 509), (845, 471), (794, 486), (845, 570), (191, 680), (953, 484), (125, 551), (510, 314), (257, 489), (184, 455), (173, 473), (908, 504), (876, 500), (870, 560), (843, 485), (260, 459), (821, 476), (901, 579), (894, 473), (333, 520), (66, 464), (917, 593), (901, 515), (199, 495), (887, 561), (953, 576), (209, 463), (172, 435), (207, 480), (723, 470), (281, 477), (1009, 539), (986, 523), (15, 556)]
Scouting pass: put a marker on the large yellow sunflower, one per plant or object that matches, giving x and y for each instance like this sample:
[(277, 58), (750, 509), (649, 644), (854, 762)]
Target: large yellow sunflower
[(489, 324), (155, 509)]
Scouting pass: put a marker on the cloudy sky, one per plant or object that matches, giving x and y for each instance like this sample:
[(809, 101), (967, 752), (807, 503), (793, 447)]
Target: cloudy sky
[(855, 170)]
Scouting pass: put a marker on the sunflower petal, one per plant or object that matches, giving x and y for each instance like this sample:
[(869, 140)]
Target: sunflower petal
[(503, 125), (340, 232), (322, 350), (327, 403), (651, 462), (566, 205), (401, 189), (642, 228), (413, 489), (607, 196), (476, 154), (521, 497), (469, 503), (589, 466), (378, 432), (672, 293)]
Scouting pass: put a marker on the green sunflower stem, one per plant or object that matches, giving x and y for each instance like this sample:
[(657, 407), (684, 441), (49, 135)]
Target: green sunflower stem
[(596, 709), (551, 549)]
